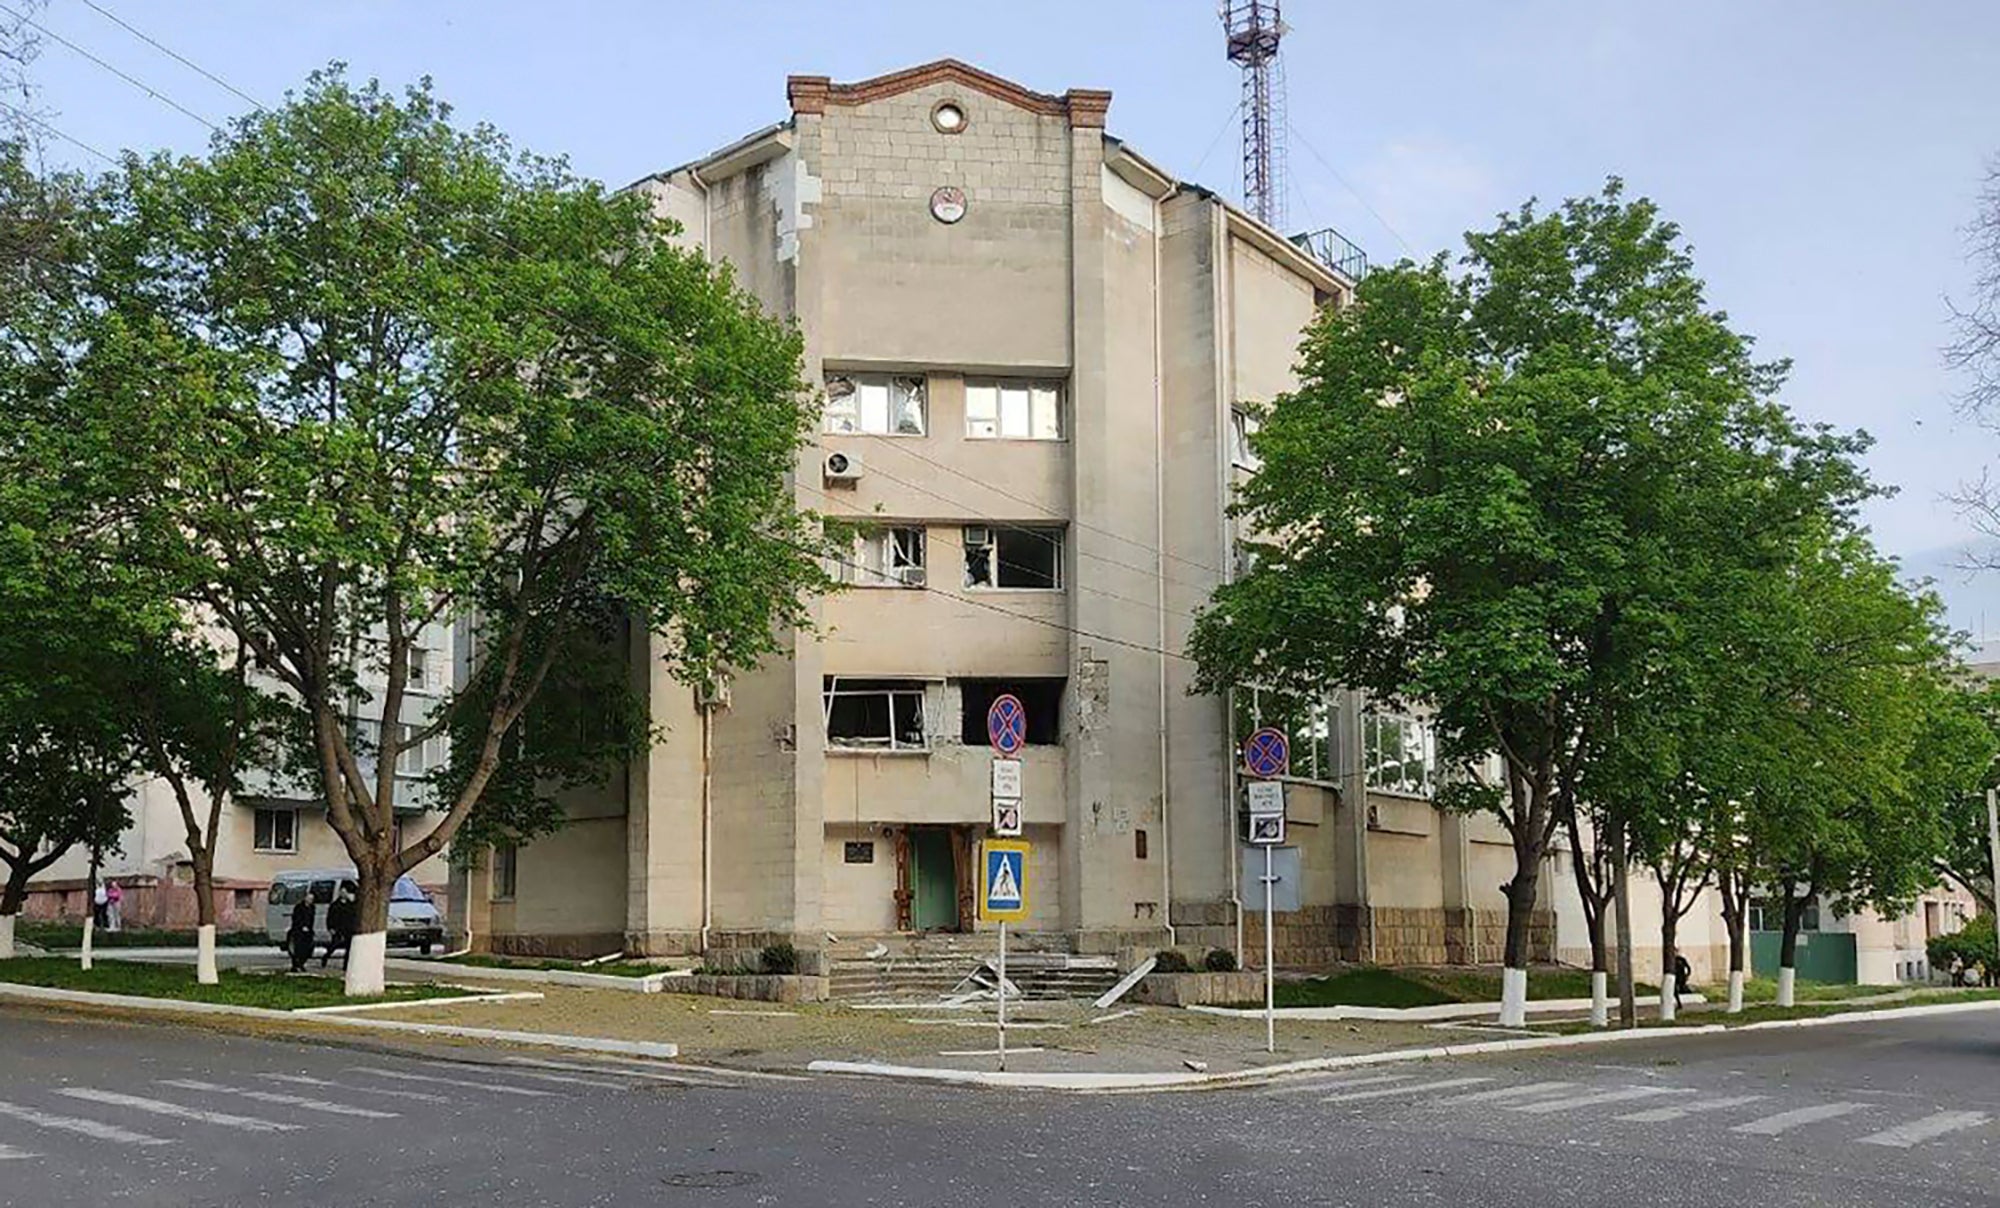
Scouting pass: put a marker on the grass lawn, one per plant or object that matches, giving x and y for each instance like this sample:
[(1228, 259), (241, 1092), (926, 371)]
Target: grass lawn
[(70, 935), (279, 991), (476, 960), (1805, 1010), (1371, 986), (1765, 989)]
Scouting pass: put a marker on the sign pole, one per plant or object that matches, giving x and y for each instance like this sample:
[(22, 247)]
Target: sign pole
[(1270, 963), (1003, 996)]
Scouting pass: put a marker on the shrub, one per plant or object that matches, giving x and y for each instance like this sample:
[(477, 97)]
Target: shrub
[(1219, 960), (779, 958), (1170, 960), (1974, 945)]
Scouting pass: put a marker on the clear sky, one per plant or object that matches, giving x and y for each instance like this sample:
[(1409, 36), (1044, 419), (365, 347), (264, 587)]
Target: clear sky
[(1822, 155)]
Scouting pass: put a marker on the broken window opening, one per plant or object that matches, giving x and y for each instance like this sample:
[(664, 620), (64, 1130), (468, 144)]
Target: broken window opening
[(888, 557), (1040, 697), (1243, 425), (1028, 559), (1013, 410), (875, 404), (1401, 754), (883, 715), (1306, 721)]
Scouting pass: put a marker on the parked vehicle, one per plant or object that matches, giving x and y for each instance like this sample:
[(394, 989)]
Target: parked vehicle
[(414, 920)]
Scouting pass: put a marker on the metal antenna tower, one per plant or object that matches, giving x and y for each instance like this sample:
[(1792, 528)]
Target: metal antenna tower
[(1253, 31)]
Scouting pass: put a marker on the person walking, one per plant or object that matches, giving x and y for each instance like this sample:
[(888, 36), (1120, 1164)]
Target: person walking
[(341, 918), (100, 905), (1683, 973), (299, 939), (114, 907)]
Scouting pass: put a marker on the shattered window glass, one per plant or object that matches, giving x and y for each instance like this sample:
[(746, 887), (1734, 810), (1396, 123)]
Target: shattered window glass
[(875, 404)]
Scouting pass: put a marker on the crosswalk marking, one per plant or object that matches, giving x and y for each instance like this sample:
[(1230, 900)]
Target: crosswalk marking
[(93, 1129), (1771, 1126), (1905, 1135), (1525, 1091), (298, 1101), (1416, 1089), (405, 1076), (625, 1071), (1335, 1084), (9, 1154), (1594, 1098), (600, 1083), (160, 1107), (1660, 1115), (327, 1084)]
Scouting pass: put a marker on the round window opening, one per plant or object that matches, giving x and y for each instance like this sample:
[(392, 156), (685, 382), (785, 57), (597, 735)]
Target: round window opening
[(948, 117)]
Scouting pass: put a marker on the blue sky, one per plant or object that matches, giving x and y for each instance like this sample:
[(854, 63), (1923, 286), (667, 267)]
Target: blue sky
[(1823, 156)]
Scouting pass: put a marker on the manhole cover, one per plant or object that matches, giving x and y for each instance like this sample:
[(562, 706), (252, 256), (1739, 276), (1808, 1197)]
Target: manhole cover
[(711, 1178)]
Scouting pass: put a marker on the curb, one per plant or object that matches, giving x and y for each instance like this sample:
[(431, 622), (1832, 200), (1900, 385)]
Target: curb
[(1450, 1010), (1108, 1083), (580, 1044), (651, 983)]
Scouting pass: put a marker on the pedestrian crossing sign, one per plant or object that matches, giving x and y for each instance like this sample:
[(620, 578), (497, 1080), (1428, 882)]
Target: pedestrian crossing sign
[(1003, 885)]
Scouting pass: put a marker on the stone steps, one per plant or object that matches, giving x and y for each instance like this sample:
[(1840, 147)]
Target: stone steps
[(1036, 974)]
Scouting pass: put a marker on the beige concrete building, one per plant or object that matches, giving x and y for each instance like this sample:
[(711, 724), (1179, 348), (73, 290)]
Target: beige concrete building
[(1040, 353)]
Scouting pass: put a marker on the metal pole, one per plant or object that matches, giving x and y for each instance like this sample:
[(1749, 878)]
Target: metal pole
[(1270, 964), (1993, 841), (1003, 996)]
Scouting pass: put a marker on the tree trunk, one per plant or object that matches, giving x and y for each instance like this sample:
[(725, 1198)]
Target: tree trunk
[(1628, 1002), (368, 950), (1592, 891), (1600, 969), (1788, 944), (1735, 917), (204, 906), (84, 958), (1520, 912), (12, 897), (1669, 948)]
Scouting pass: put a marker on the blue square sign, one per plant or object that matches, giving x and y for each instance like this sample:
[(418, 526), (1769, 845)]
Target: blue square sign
[(1003, 883)]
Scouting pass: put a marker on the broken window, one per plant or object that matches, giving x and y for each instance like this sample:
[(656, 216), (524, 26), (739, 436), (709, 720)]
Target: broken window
[(1242, 426), (887, 557), (1401, 754), (875, 404), (1024, 558), (1040, 697), (1013, 410), (883, 715), (1306, 722)]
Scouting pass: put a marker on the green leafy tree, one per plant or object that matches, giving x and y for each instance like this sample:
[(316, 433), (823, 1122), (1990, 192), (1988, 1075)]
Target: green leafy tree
[(1486, 491), (419, 377), (1967, 858)]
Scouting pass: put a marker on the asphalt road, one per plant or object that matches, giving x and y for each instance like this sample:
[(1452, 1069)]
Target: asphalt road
[(1903, 1113)]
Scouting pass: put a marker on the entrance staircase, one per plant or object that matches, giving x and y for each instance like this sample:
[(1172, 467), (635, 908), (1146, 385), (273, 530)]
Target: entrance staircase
[(918, 968)]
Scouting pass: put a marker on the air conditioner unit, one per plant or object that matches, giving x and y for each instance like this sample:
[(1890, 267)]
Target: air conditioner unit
[(911, 576), (842, 467), (978, 534)]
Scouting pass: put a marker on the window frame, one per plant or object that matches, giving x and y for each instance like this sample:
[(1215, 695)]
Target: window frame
[(268, 843), (1322, 768), (853, 403), (505, 880), (1244, 423), (1372, 722), (1054, 535), (891, 744), (877, 561), (1031, 389)]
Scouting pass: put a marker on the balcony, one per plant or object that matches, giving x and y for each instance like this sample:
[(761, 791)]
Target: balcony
[(1336, 251)]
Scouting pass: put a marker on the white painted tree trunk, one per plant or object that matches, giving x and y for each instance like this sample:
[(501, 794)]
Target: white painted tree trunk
[(1735, 992), (89, 929), (1668, 1007), (1600, 999), (1786, 975), (1513, 997), (204, 955), (367, 974), (6, 937)]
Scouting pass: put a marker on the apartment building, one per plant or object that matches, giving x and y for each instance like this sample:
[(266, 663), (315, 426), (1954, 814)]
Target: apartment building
[(277, 823), (1041, 354)]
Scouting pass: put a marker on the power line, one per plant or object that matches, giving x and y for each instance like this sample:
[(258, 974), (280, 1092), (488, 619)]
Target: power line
[(1345, 184), (134, 81), (168, 51), (72, 140), (1215, 142)]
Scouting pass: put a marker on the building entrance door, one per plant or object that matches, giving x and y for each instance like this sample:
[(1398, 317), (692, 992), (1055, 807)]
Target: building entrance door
[(933, 880)]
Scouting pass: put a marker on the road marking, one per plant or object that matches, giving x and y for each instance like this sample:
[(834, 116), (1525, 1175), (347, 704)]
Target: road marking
[(299, 1101), (1334, 1084), (1905, 1135), (88, 1128), (9, 1154), (465, 1082), (303, 1080), (160, 1107), (1419, 1088), (1528, 1091), (1660, 1115), (1771, 1126), (624, 1071), (983, 1052), (1593, 1098)]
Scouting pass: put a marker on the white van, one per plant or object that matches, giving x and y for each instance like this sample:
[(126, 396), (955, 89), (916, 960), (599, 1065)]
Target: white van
[(414, 920)]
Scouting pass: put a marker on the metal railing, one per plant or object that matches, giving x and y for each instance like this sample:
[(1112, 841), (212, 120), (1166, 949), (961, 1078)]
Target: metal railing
[(1336, 251)]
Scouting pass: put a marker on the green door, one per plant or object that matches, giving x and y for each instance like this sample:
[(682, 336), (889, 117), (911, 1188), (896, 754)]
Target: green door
[(935, 881), (1824, 956)]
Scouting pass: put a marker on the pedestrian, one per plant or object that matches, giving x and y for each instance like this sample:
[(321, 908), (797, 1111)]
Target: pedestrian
[(299, 939), (114, 907), (100, 905), (341, 918), (1683, 972)]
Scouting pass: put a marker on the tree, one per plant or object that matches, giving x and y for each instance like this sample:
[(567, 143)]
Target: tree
[(1487, 491), (1967, 858), (419, 378), (59, 787)]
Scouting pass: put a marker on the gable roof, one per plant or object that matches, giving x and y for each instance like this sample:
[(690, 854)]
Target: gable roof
[(812, 94)]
